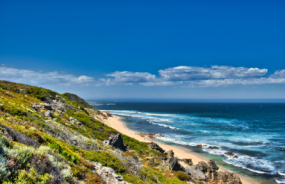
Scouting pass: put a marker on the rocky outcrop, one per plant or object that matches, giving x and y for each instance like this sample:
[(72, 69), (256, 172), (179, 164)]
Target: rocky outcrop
[(170, 154), (155, 146), (203, 166), (195, 172), (117, 142), (173, 164), (212, 171), (228, 178), (188, 161), (74, 121), (107, 174), (48, 114)]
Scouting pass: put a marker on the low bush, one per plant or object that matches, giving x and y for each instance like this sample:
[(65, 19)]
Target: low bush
[(106, 159), (22, 153), (182, 176), (92, 178), (30, 177)]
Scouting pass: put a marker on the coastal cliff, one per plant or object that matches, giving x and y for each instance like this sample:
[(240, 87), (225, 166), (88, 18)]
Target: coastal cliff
[(47, 137)]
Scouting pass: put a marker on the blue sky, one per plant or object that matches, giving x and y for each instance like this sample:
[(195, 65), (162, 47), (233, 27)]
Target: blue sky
[(146, 49)]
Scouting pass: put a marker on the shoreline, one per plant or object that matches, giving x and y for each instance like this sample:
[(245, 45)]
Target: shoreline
[(179, 152)]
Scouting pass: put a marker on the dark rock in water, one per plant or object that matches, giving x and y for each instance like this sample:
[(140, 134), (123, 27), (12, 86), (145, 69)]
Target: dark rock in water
[(235, 156), (117, 142), (155, 146), (212, 166), (174, 165), (188, 161), (213, 147), (229, 153), (170, 154), (199, 145), (203, 166), (281, 149)]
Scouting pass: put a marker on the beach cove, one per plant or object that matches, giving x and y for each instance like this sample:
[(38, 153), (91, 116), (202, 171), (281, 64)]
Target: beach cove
[(179, 152)]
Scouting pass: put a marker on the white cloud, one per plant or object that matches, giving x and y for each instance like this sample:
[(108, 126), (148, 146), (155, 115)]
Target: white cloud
[(187, 73), (127, 78), (193, 76), (33, 77), (277, 78)]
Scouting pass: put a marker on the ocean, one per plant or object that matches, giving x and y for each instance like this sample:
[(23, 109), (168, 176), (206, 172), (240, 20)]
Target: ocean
[(253, 132)]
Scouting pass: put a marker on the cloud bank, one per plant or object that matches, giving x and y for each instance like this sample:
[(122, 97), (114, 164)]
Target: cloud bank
[(191, 76)]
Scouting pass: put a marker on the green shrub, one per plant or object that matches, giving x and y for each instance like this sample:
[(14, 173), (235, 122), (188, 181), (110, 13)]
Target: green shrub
[(63, 149), (3, 166), (106, 159), (22, 153), (133, 179), (32, 177), (182, 176), (3, 86)]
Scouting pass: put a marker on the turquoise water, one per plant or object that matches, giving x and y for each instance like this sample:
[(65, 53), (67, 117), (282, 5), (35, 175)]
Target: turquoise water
[(254, 132)]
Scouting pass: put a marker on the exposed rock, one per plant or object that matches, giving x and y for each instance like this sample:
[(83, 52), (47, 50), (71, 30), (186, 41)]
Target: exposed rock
[(75, 121), (229, 153), (195, 172), (213, 147), (170, 154), (212, 166), (163, 158), (47, 106), (108, 175), (151, 161), (188, 161), (199, 145), (228, 178), (155, 146), (48, 114), (173, 164), (212, 171), (108, 114), (117, 142), (203, 166)]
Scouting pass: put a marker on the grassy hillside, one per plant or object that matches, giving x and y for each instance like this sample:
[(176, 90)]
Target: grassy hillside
[(47, 137)]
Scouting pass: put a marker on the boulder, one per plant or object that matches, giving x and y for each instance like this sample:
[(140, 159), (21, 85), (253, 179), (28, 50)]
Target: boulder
[(212, 174), (108, 175), (203, 166), (228, 178), (188, 161), (155, 146), (47, 106), (48, 114), (173, 164), (108, 114), (195, 172), (170, 154), (117, 142), (212, 166)]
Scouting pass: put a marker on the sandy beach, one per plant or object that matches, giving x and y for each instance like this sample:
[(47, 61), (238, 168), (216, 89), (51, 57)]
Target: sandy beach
[(179, 152)]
